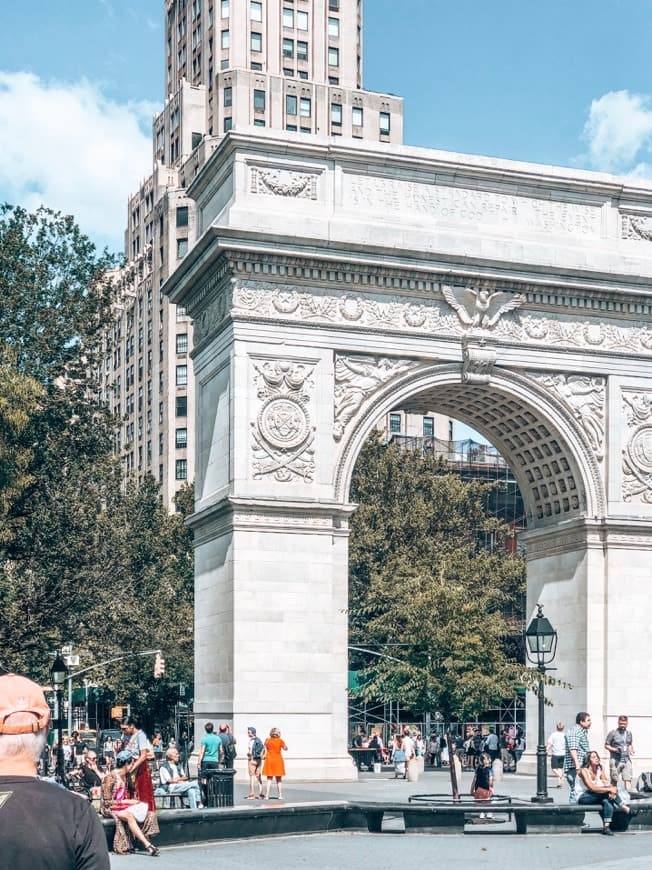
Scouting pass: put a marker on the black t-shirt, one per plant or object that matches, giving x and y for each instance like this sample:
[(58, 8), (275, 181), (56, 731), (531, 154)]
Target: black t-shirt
[(47, 827)]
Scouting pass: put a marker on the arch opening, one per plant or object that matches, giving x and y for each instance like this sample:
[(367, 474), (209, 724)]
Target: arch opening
[(545, 449)]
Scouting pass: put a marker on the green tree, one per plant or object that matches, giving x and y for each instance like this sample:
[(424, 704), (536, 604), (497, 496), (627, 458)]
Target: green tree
[(424, 590)]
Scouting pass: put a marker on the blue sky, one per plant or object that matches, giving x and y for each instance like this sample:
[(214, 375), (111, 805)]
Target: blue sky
[(561, 81)]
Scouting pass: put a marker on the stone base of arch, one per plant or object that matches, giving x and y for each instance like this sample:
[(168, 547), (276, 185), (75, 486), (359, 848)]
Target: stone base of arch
[(271, 628), (593, 579)]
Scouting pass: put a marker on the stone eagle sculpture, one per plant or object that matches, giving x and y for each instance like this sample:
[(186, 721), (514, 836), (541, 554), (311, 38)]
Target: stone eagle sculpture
[(480, 308)]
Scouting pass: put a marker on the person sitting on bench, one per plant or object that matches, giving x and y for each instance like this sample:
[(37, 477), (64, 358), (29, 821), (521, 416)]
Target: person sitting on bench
[(599, 790)]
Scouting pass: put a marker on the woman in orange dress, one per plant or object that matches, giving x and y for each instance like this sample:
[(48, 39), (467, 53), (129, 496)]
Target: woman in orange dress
[(274, 766)]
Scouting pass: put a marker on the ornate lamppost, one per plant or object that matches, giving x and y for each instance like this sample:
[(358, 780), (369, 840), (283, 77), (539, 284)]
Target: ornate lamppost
[(541, 646), (59, 673)]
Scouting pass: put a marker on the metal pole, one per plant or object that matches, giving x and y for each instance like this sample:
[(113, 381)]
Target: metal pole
[(69, 706), (60, 762), (542, 784)]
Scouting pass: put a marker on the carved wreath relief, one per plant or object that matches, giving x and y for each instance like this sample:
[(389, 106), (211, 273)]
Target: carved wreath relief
[(637, 454), (282, 433), (356, 379), (284, 182)]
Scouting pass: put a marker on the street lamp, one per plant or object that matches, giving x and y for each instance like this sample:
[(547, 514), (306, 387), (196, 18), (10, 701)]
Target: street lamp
[(541, 646), (59, 673)]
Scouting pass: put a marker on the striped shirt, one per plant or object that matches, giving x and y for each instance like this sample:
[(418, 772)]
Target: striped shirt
[(576, 738)]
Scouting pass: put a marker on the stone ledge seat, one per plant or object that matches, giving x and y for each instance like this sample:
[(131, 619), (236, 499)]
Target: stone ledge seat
[(205, 825)]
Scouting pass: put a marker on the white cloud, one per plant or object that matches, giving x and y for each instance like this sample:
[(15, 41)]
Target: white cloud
[(71, 148), (619, 133)]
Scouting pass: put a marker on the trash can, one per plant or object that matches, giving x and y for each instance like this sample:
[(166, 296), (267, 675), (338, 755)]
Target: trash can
[(218, 786)]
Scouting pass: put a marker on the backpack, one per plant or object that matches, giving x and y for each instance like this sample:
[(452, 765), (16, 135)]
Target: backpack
[(257, 748), (228, 747), (644, 782)]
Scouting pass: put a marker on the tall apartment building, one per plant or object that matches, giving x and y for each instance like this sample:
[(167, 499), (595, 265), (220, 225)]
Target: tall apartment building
[(291, 65)]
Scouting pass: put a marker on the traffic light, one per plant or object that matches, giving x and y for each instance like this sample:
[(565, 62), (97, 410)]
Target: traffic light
[(159, 665)]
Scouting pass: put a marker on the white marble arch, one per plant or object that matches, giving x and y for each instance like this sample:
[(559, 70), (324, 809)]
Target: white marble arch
[(514, 297)]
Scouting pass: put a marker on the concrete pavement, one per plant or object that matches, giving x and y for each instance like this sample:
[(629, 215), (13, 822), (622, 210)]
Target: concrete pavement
[(461, 852)]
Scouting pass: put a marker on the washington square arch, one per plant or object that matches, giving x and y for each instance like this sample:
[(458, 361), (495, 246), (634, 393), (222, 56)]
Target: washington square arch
[(334, 281)]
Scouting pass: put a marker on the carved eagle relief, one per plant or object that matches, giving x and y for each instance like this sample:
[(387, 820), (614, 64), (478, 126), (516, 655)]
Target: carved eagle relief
[(480, 308)]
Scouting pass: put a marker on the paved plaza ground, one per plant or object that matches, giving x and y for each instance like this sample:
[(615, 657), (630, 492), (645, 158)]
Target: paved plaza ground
[(339, 851)]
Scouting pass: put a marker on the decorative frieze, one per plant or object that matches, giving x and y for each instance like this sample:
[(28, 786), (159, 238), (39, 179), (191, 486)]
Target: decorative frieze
[(435, 316), (585, 398), (212, 315), (637, 453), (356, 379), (282, 433)]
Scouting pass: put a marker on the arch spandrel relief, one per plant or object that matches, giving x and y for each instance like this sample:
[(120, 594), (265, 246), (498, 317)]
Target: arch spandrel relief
[(282, 433), (585, 398)]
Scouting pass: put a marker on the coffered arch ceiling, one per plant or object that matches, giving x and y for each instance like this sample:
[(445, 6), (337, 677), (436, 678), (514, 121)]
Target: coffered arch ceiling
[(556, 470)]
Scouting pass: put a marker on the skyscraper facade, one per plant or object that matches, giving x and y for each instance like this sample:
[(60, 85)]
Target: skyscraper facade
[(289, 65)]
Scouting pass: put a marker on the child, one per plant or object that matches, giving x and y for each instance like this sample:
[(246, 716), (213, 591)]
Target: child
[(399, 758), (482, 787)]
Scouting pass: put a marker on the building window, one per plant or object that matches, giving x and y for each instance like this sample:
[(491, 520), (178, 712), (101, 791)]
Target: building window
[(228, 97), (228, 124), (225, 39), (181, 406), (182, 248), (182, 376), (256, 11), (195, 140), (182, 216), (259, 101), (428, 427), (288, 48), (334, 27), (225, 8), (257, 67), (305, 107), (258, 122), (394, 424), (302, 20), (290, 104), (333, 57), (224, 63), (288, 17), (303, 74), (256, 41), (336, 114), (302, 50), (291, 127), (181, 469), (288, 72), (182, 343), (357, 116), (384, 122), (334, 5), (181, 438)]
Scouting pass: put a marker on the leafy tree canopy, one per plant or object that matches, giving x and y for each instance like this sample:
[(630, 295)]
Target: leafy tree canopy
[(425, 591)]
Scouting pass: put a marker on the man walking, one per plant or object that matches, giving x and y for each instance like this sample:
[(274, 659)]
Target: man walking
[(577, 745), (620, 748), (41, 824)]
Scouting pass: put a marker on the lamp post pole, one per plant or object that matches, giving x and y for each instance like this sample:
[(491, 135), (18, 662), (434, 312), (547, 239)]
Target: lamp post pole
[(541, 646), (59, 674), (542, 781)]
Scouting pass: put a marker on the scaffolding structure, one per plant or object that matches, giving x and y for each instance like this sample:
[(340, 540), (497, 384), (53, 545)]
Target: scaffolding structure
[(474, 462)]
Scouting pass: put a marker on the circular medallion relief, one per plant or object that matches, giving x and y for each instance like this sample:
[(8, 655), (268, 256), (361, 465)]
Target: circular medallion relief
[(283, 422), (640, 448)]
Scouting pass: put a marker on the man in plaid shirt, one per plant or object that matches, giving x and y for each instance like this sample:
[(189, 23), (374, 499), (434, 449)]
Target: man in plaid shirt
[(577, 745)]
